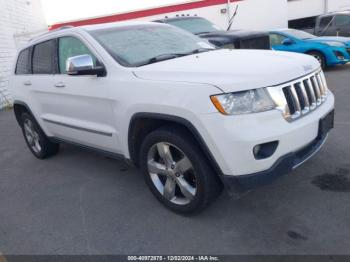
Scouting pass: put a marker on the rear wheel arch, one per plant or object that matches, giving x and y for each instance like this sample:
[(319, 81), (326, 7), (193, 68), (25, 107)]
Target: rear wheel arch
[(19, 108), (142, 124)]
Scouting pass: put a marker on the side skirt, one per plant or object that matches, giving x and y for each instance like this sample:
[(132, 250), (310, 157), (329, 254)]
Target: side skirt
[(109, 154)]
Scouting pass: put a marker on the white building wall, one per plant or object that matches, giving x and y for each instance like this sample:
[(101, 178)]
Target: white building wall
[(252, 14), (261, 14), (306, 8), (335, 5), (19, 19)]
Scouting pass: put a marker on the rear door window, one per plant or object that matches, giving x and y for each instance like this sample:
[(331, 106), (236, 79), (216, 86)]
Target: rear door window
[(23, 66), (44, 61)]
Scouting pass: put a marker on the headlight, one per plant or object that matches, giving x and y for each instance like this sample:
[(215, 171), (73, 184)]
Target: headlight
[(243, 102), (338, 44)]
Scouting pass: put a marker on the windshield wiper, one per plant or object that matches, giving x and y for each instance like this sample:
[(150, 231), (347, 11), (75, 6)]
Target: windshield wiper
[(161, 57), (201, 50), (205, 32), (164, 57)]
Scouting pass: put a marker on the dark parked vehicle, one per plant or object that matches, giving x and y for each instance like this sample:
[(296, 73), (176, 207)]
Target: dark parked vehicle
[(332, 24), (233, 39)]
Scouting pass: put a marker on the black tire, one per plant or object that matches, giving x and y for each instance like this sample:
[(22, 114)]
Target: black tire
[(320, 57), (208, 186), (45, 147)]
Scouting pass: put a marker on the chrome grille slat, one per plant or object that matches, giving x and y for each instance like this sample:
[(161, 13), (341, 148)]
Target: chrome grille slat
[(296, 102), (324, 89), (324, 83), (320, 84), (317, 90), (306, 99), (290, 101), (300, 97), (312, 93)]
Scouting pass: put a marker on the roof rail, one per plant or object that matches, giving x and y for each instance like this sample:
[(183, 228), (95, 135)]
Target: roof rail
[(55, 30), (63, 27)]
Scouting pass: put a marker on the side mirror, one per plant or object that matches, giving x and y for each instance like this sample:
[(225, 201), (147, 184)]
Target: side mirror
[(83, 65), (287, 41)]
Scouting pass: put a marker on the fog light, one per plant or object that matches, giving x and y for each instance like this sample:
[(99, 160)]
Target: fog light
[(256, 150), (339, 55), (265, 150)]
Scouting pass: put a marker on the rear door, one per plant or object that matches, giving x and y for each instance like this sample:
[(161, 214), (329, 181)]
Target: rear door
[(20, 83), (40, 82), (78, 108)]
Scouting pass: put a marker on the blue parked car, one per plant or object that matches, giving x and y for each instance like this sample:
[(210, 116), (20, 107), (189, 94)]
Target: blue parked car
[(329, 51)]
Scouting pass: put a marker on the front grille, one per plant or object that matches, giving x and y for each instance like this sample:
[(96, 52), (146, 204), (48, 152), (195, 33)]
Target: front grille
[(298, 98), (305, 95), (261, 42)]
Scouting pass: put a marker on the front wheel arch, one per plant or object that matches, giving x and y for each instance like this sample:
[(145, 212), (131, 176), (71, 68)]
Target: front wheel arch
[(142, 124)]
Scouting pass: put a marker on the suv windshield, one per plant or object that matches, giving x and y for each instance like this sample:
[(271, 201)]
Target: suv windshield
[(194, 25), (139, 45), (300, 34)]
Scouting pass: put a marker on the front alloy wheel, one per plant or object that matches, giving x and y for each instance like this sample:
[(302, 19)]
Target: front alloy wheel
[(172, 173), (176, 170)]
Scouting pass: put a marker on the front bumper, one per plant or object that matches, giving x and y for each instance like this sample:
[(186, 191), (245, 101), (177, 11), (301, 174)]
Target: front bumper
[(338, 56), (283, 166)]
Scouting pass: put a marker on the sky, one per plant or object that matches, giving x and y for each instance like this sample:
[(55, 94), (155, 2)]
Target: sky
[(67, 10)]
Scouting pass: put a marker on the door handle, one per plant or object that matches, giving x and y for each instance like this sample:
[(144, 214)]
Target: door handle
[(27, 83), (60, 85)]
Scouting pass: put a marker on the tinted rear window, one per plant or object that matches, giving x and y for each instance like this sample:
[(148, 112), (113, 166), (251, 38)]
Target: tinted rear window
[(23, 63), (43, 58)]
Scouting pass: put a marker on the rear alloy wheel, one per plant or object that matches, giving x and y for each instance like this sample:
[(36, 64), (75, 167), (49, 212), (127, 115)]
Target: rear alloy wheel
[(177, 172), (38, 143), (31, 136)]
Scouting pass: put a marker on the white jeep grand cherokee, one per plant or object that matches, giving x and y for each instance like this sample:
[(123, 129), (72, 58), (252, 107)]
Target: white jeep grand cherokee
[(191, 117)]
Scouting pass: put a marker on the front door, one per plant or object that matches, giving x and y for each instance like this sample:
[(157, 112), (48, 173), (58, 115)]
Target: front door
[(78, 108)]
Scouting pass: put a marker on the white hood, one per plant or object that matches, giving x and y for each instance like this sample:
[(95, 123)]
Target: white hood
[(232, 70)]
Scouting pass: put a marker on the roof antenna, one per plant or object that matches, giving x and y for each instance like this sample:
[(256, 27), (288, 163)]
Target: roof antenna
[(230, 22)]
